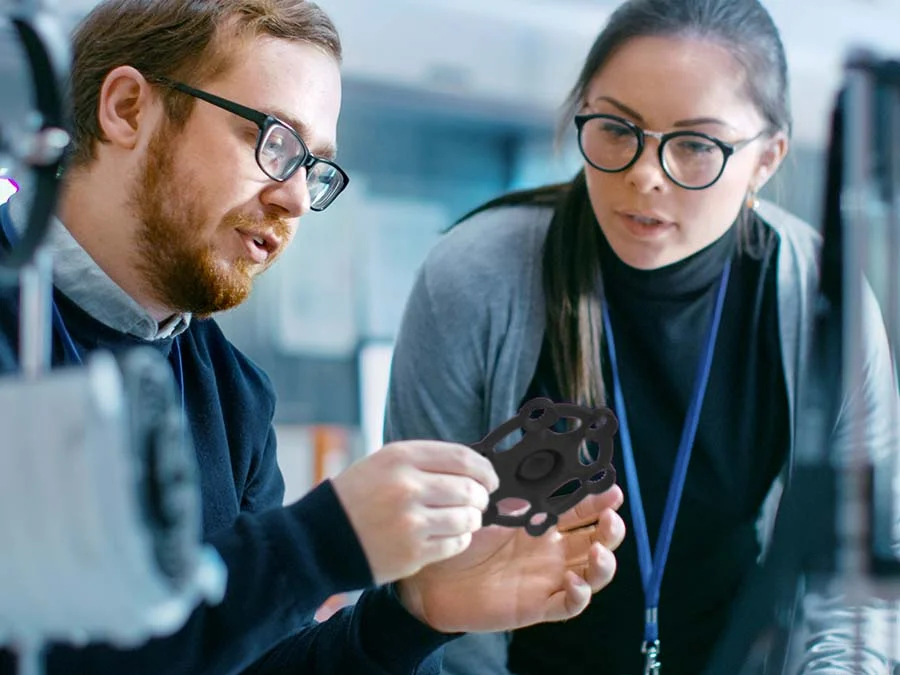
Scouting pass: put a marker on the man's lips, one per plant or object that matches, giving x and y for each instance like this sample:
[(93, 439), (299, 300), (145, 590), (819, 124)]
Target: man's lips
[(260, 244)]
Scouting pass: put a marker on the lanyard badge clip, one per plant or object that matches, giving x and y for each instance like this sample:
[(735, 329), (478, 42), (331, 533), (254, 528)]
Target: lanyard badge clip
[(652, 664)]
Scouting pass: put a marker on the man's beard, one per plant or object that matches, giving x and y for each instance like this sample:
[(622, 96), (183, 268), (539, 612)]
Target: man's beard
[(183, 273)]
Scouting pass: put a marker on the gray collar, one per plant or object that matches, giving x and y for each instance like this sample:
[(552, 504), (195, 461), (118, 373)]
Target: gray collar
[(81, 280)]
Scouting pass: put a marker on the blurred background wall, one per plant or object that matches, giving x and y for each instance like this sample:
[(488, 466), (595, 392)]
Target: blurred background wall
[(446, 104)]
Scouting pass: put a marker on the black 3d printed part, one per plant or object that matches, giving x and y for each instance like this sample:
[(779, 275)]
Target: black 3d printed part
[(547, 468)]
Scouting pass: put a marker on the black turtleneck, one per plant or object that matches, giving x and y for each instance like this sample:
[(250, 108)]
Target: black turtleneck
[(660, 319)]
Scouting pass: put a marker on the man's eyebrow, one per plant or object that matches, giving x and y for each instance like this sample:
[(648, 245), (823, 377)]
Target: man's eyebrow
[(328, 151), (694, 121)]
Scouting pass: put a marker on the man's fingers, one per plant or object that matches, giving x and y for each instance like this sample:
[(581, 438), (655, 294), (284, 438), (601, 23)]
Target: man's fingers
[(587, 510), (577, 544), (609, 530), (601, 567), (451, 521), (453, 490), (571, 601), (597, 566), (437, 549), (439, 457), (583, 578)]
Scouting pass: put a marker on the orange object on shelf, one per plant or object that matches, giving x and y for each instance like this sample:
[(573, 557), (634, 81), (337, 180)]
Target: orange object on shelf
[(331, 451), (331, 455)]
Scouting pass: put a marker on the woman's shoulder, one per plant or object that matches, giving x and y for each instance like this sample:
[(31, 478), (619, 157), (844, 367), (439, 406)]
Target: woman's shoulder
[(497, 243), (801, 238), (479, 265)]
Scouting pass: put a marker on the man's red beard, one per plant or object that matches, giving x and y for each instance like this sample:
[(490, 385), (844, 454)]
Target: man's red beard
[(183, 273)]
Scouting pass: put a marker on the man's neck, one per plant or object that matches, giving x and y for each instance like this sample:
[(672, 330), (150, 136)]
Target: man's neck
[(105, 229)]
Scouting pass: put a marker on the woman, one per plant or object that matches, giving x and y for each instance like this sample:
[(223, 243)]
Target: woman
[(654, 283)]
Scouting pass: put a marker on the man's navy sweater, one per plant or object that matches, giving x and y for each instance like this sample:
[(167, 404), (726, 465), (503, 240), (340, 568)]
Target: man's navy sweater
[(283, 562)]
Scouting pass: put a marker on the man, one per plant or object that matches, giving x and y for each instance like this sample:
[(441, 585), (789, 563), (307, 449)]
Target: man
[(202, 132)]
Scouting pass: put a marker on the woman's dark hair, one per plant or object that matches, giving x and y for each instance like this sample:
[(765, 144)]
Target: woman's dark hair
[(570, 257)]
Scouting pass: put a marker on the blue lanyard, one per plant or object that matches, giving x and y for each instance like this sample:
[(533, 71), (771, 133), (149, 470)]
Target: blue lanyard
[(652, 567), (71, 351)]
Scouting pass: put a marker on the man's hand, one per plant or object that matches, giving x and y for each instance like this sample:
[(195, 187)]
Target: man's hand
[(413, 503), (507, 579)]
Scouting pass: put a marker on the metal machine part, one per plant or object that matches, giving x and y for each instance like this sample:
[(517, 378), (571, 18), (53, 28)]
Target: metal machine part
[(100, 504), (37, 143), (829, 581)]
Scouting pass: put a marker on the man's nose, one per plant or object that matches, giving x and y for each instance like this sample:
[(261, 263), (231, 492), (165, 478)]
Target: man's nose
[(289, 198)]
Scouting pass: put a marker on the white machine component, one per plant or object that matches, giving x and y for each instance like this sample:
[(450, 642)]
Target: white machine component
[(99, 508)]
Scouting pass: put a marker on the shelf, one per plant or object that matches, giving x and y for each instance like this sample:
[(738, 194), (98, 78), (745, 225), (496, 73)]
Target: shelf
[(365, 97)]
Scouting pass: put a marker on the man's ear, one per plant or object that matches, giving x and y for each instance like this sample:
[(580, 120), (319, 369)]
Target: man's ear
[(774, 152), (124, 106)]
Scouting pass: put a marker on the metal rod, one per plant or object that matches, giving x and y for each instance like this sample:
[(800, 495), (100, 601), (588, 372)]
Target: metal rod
[(35, 294), (30, 658), (853, 507), (892, 314)]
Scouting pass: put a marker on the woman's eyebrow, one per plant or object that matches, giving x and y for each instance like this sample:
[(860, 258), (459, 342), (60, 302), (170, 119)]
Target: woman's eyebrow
[(694, 121), (621, 106)]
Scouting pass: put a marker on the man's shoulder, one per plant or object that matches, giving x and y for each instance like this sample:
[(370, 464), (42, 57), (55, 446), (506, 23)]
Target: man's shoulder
[(226, 363)]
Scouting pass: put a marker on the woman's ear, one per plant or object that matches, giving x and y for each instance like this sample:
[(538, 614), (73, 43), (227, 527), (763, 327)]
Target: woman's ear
[(122, 110), (774, 152)]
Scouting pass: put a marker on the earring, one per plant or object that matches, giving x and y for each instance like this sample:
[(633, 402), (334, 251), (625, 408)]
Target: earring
[(752, 200)]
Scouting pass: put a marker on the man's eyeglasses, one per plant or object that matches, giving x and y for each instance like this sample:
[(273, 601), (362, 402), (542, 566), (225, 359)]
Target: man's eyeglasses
[(280, 152), (690, 159)]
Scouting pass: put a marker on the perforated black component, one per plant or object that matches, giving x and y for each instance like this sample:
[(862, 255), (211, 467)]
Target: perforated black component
[(551, 469)]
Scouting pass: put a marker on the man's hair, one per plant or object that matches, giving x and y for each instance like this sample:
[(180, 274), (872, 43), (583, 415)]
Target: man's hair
[(187, 40)]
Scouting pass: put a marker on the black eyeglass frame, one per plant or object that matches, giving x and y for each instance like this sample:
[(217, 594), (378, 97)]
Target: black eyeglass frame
[(728, 149), (265, 122)]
